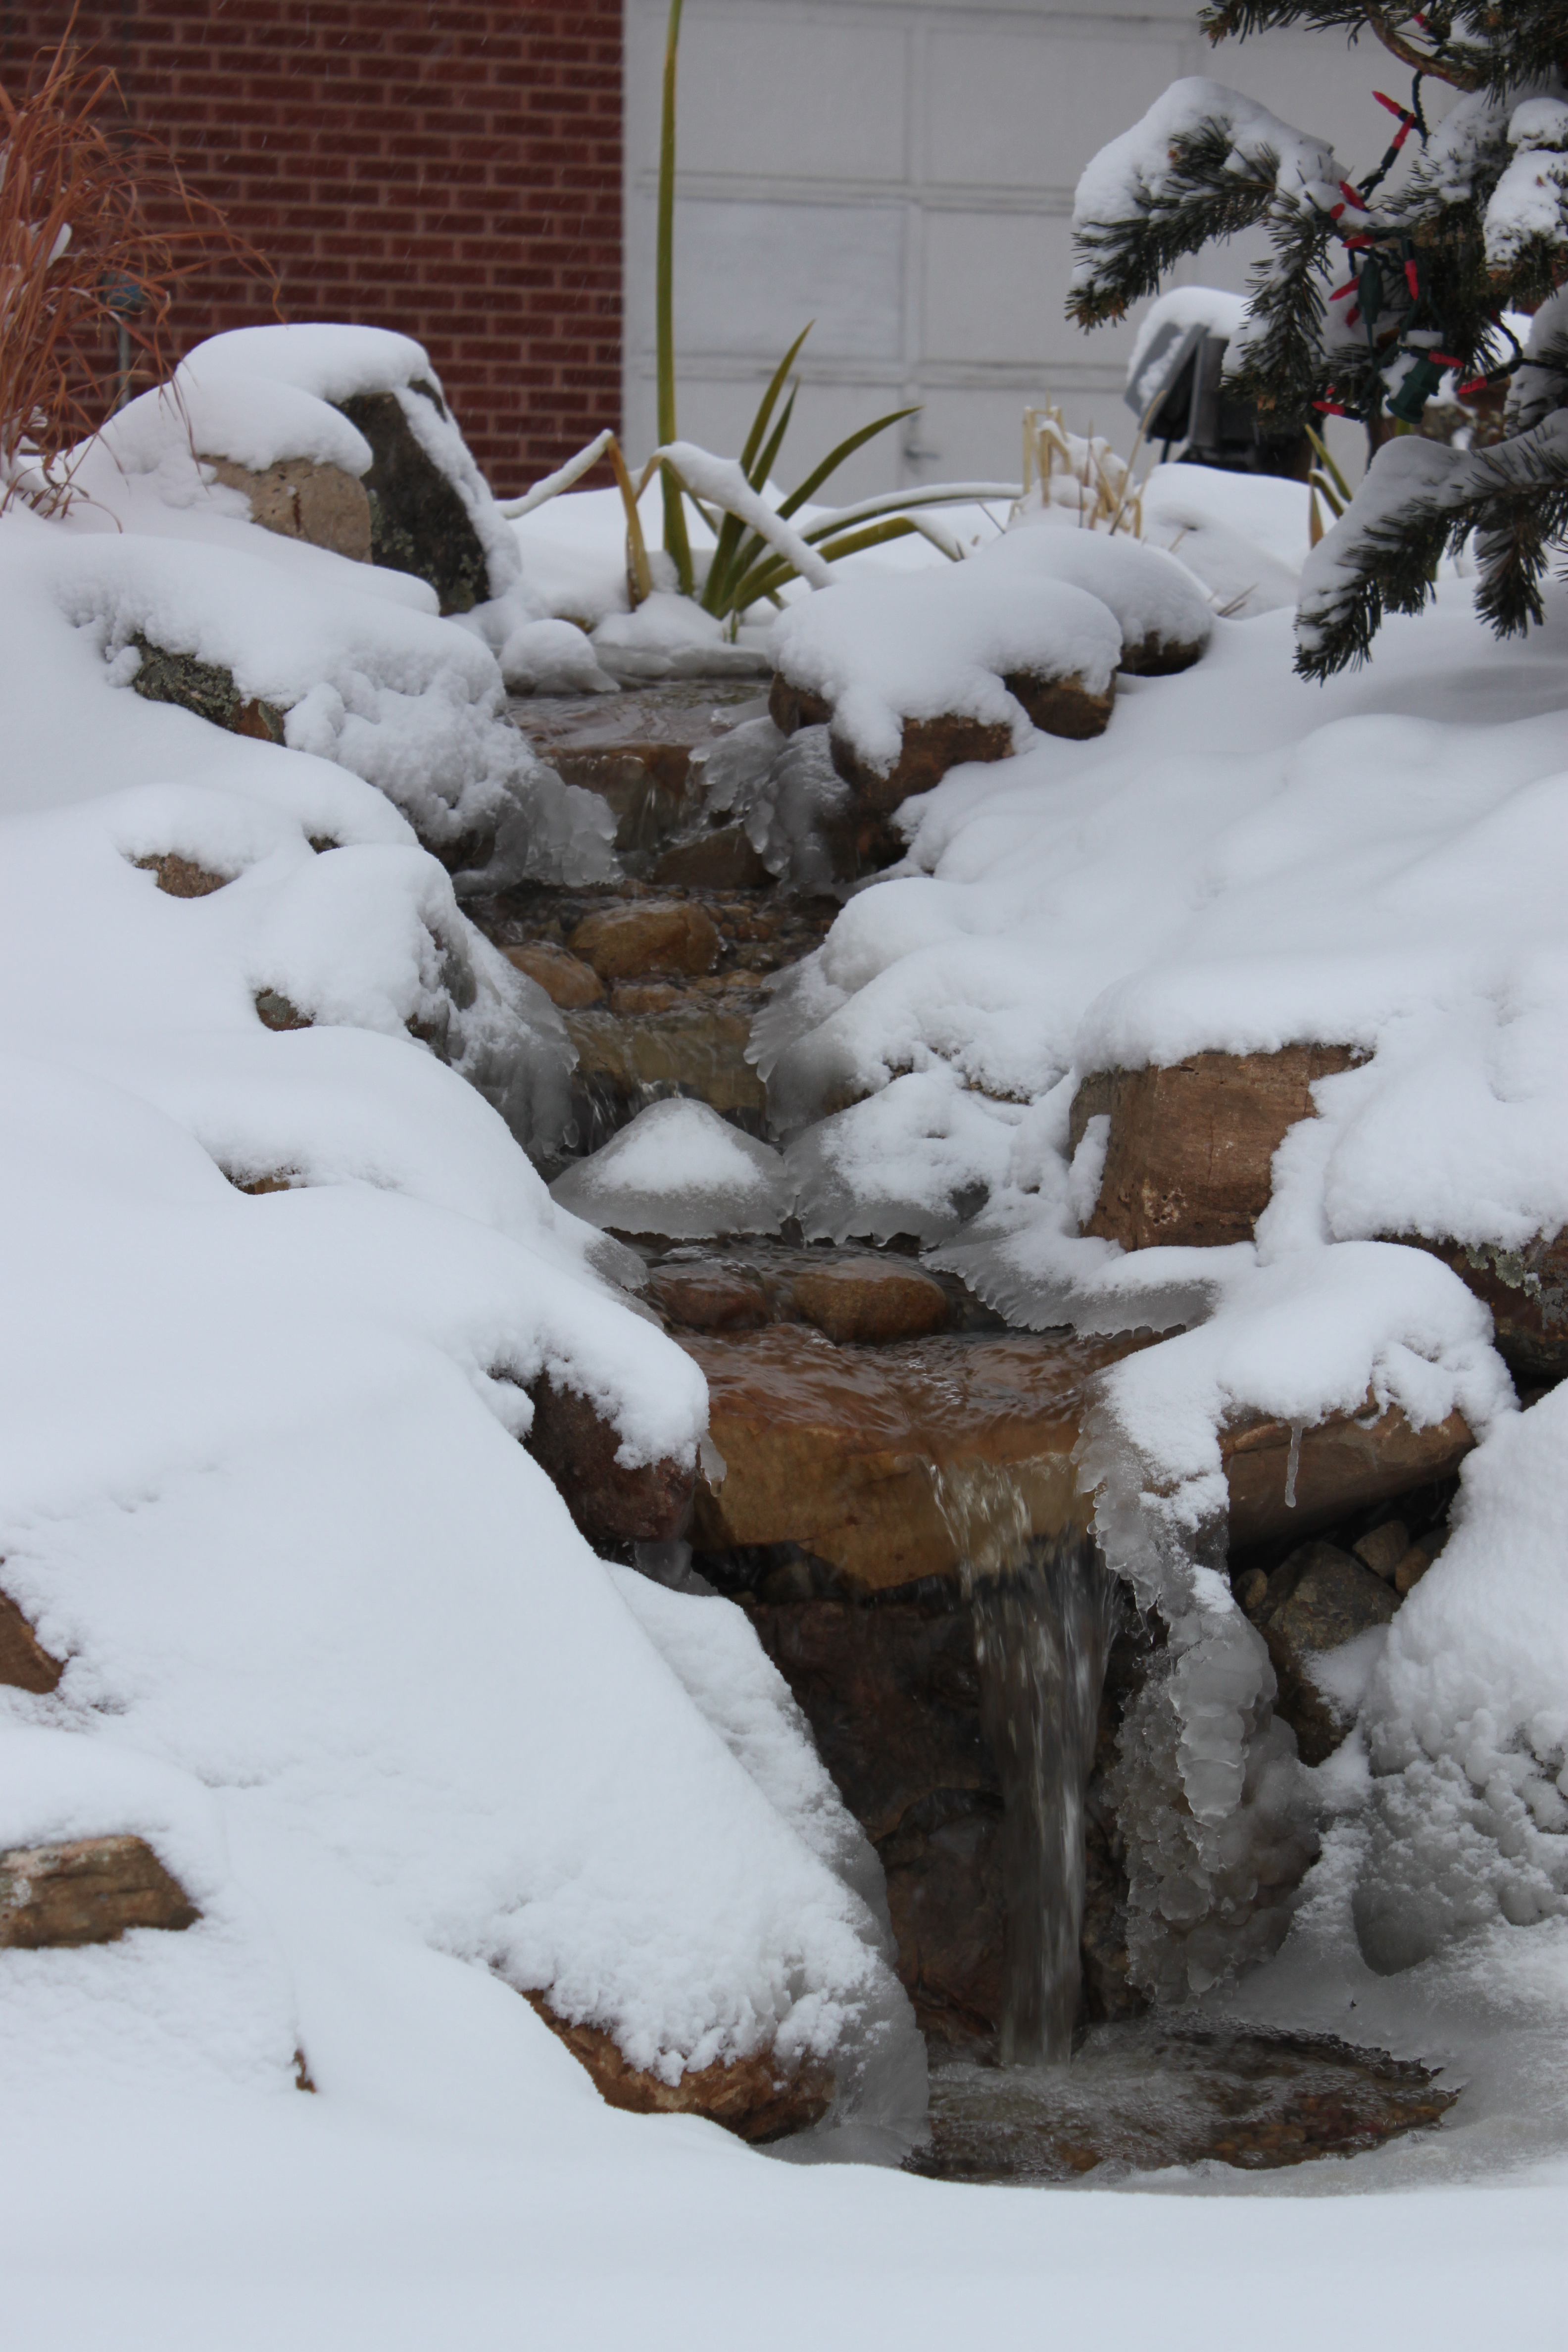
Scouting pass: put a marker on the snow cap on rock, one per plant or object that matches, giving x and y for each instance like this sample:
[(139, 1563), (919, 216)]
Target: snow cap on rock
[(682, 1170)]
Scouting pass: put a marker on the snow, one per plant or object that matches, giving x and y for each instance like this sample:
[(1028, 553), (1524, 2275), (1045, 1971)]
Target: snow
[(1135, 171), (680, 1170), (1150, 594), (1527, 202), (332, 1643), (1242, 861), (1169, 318), (941, 641)]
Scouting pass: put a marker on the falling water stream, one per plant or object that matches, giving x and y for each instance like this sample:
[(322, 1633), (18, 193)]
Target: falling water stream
[(1044, 1612)]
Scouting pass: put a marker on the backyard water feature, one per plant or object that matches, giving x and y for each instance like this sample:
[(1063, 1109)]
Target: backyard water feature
[(898, 1510)]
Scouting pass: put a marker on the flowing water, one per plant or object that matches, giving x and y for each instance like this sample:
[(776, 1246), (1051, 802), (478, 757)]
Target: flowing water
[(1044, 1612)]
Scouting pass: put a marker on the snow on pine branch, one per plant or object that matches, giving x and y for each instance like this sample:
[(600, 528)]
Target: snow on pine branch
[(1204, 162), (1529, 206), (1419, 498)]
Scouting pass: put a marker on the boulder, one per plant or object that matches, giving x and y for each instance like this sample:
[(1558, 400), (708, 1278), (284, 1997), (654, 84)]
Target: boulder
[(576, 1445), (711, 1294), (300, 498), (835, 1448), (752, 2097), (1061, 706), (418, 522), (1188, 1160), (1317, 1601), (566, 979), (207, 690), (869, 1457), (646, 935), (25, 1664), (892, 1694), (87, 1891), (1527, 1291), (276, 1011), (1346, 1464), (721, 859), (181, 878), (869, 1300), (696, 1047)]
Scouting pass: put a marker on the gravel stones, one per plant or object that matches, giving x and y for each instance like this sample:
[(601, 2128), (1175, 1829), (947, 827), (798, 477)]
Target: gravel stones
[(646, 935)]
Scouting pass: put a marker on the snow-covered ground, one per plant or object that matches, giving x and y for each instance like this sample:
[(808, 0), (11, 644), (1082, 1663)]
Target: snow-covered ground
[(335, 1648)]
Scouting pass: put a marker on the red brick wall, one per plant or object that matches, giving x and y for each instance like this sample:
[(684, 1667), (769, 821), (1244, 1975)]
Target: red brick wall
[(450, 171)]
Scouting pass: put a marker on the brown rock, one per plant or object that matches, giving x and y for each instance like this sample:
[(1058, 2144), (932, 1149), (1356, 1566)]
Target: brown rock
[(711, 1295), (1382, 1547), (751, 2097), (1317, 1601), (86, 1892), (279, 1011), (1062, 706), (645, 996), (1156, 657), (646, 935), (566, 979), (1527, 1291), (1190, 1149), (928, 748), (724, 859), (871, 1300), (1417, 1560), (576, 1447), (834, 1448), (698, 1047), (181, 878), (301, 500), (792, 707), (25, 1664), (1344, 1464)]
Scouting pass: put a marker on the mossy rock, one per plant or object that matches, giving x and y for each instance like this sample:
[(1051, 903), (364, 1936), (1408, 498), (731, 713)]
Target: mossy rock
[(418, 522)]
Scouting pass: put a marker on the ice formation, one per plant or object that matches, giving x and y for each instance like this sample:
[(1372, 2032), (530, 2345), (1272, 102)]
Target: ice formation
[(680, 1171)]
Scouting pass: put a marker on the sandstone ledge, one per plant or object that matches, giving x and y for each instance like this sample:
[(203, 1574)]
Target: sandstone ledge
[(750, 2097), (86, 1891)]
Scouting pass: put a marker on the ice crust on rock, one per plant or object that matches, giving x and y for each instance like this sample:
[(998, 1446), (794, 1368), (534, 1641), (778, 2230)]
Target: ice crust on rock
[(680, 1171), (938, 642), (786, 792)]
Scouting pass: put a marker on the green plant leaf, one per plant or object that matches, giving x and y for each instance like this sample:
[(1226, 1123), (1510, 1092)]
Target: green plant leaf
[(764, 579), (677, 544), (738, 545), (835, 457)]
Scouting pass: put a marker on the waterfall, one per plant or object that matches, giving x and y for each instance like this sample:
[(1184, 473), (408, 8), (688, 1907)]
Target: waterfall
[(1044, 1612)]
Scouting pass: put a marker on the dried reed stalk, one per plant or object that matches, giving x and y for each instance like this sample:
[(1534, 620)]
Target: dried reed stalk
[(79, 258)]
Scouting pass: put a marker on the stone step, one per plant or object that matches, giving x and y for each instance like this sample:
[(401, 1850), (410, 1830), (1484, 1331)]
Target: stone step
[(86, 1891), (863, 1457)]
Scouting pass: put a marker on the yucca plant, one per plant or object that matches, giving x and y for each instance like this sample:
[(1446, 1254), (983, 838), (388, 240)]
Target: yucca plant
[(757, 550), (80, 262)]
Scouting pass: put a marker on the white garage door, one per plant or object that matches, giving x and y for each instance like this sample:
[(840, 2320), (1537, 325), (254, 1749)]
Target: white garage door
[(902, 172)]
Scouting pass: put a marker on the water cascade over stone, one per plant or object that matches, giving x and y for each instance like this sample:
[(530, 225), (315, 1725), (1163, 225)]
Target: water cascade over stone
[(1044, 1614)]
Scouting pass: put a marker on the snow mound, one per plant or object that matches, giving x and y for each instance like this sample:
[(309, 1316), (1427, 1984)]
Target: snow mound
[(680, 1171), (1155, 600), (275, 1298), (551, 657), (933, 643)]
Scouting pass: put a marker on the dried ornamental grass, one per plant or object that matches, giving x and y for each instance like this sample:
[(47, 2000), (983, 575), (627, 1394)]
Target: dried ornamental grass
[(79, 258)]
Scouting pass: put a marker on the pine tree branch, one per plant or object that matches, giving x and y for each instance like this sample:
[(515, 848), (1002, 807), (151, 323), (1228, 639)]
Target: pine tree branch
[(1203, 196), (1420, 500), (1422, 61)]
